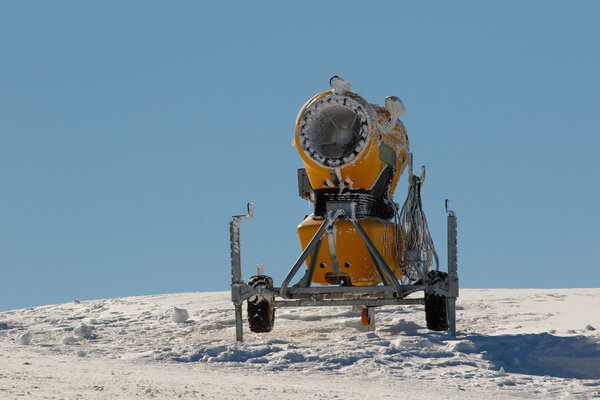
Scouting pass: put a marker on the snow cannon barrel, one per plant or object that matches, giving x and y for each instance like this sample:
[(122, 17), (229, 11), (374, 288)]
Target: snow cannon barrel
[(355, 151), (348, 143)]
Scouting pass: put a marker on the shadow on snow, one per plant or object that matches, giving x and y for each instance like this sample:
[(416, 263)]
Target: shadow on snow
[(538, 354)]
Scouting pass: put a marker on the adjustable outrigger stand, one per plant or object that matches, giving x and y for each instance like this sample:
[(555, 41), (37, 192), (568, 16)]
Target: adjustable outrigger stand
[(391, 292)]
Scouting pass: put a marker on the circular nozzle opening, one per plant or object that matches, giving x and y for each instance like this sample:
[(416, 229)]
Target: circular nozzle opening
[(333, 130), (336, 132)]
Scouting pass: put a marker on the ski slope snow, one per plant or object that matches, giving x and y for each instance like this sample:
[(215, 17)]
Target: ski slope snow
[(512, 343)]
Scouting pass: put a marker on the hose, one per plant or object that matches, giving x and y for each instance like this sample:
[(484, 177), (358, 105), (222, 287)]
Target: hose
[(415, 233)]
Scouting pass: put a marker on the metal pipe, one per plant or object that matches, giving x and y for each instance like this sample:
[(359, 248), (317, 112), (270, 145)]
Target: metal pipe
[(346, 302)]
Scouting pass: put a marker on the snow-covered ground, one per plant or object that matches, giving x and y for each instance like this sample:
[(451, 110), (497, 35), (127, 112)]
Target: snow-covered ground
[(522, 343)]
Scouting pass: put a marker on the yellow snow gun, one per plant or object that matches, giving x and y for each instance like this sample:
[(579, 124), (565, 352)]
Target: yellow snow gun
[(359, 247), (353, 151)]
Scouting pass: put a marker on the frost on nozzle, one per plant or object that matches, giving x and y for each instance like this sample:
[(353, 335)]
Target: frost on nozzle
[(339, 85)]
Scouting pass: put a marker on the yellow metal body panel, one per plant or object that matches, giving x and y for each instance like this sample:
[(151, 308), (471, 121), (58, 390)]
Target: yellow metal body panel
[(352, 253)]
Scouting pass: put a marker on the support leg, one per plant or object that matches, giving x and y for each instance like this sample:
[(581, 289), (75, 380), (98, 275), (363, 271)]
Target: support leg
[(236, 268), (452, 270), (239, 323), (451, 306), (371, 318)]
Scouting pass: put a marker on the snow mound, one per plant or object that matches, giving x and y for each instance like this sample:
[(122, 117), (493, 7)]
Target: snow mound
[(70, 340), (179, 315), (25, 339), (83, 331)]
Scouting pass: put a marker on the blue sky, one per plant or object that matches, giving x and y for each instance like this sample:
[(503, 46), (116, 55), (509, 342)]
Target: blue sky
[(130, 132)]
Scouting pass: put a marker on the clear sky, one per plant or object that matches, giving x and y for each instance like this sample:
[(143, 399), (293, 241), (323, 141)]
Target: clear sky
[(130, 132)]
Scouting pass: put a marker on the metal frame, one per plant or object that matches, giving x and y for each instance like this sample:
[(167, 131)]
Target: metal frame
[(391, 292)]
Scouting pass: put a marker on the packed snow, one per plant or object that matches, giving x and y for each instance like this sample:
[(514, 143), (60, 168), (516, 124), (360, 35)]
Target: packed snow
[(522, 343)]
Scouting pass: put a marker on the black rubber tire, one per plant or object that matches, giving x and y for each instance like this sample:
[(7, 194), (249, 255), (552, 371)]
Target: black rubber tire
[(261, 313), (436, 308)]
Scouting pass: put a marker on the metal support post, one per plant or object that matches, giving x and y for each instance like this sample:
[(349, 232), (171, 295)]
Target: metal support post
[(239, 323), (236, 268), (452, 269)]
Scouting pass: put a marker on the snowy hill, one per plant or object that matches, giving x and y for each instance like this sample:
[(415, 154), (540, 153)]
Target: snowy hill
[(523, 343)]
